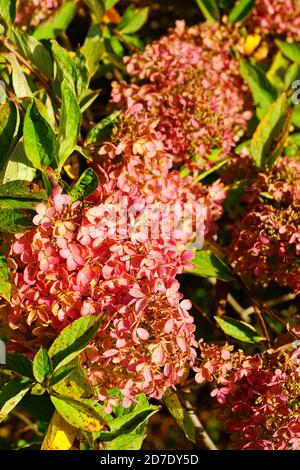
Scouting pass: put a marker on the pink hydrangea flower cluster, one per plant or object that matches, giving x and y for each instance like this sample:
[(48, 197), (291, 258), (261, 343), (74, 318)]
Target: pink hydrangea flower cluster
[(33, 12), (267, 244), (79, 260), (259, 395), (191, 91), (135, 160), (281, 17)]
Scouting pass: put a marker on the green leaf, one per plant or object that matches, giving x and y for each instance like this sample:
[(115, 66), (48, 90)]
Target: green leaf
[(209, 9), (263, 92), (11, 394), (89, 98), (9, 124), (79, 413), (136, 22), (58, 22), (134, 40), (131, 441), (82, 75), (296, 116), (72, 70), (19, 80), (17, 166), (97, 8), (39, 139), (208, 172), (18, 363), (290, 50), (117, 46), (110, 4), (42, 366), (127, 16), (93, 49), (69, 124), (33, 50), (239, 330), (277, 71), (71, 381), (103, 129), (60, 375), (45, 107), (207, 264), (14, 221), (269, 138), (179, 413), (73, 339), (5, 286), (86, 185), (8, 10), (295, 139), (292, 73), (20, 195), (66, 69), (130, 421), (241, 10)]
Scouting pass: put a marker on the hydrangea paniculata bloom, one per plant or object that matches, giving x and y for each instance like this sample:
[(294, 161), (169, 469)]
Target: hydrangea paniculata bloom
[(258, 395), (193, 94), (79, 261), (267, 244), (279, 17)]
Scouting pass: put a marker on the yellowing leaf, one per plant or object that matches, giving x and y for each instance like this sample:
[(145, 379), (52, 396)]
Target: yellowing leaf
[(251, 43), (60, 434), (81, 413)]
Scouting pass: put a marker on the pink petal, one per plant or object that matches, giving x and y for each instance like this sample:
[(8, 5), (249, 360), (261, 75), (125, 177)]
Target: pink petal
[(142, 333)]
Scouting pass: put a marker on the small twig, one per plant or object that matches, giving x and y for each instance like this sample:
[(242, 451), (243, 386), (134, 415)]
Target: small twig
[(272, 302), (263, 307), (204, 315), (29, 425), (201, 432), (263, 325)]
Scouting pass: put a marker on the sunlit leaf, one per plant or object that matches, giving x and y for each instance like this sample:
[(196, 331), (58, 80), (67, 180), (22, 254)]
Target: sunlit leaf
[(11, 394), (60, 434), (73, 339), (263, 92), (42, 366), (79, 413), (86, 185), (270, 136), (136, 21), (241, 10), (39, 139), (69, 124), (239, 330), (207, 264), (209, 9)]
